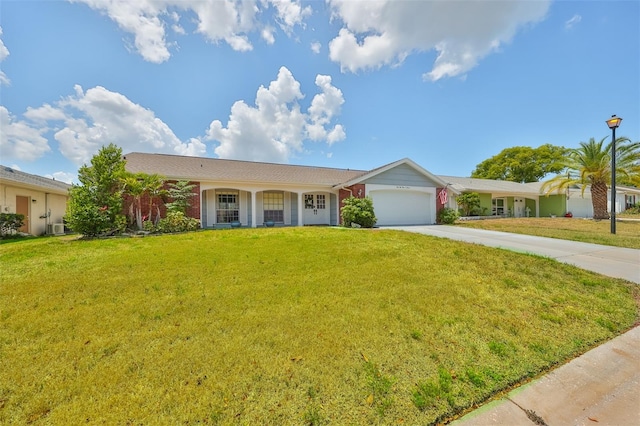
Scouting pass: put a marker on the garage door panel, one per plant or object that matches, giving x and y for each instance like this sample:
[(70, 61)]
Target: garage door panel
[(580, 207), (402, 207)]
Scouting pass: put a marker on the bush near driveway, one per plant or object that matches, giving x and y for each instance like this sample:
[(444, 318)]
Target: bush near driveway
[(284, 326)]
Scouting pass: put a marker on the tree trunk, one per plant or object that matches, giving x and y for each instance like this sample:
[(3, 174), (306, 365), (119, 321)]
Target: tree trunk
[(139, 213), (599, 200)]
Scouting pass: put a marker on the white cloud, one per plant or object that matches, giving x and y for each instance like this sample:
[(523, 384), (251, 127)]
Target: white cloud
[(63, 177), (44, 113), (230, 21), (86, 121), (20, 140), (4, 52), (575, 19), (98, 117), (142, 18), (291, 14), (323, 107), (385, 32), (276, 127), (267, 34), (315, 47)]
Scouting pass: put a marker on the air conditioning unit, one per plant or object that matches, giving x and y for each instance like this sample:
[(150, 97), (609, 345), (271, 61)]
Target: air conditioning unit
[(55, 229)]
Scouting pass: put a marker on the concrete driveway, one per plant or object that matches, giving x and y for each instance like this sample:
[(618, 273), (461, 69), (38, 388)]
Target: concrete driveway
[(601, 387), (606, 260)]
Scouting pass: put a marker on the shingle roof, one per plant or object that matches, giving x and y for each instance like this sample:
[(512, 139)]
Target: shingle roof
[(214, 169), (487, 185), (7, 174)]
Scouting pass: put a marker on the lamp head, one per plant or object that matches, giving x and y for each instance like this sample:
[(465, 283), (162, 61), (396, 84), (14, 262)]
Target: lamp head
[(614, 122)]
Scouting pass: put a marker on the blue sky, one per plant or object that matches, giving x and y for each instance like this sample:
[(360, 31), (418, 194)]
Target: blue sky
[(348, 84)]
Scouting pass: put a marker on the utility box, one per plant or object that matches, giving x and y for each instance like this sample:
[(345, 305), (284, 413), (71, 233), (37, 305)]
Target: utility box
[(55, 229)]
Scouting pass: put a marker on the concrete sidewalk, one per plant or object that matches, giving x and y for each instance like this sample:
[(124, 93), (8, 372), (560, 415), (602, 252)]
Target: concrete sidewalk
[(601, 387)]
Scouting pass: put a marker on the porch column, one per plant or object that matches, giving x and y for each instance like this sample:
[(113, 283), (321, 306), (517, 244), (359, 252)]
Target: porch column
[(300, 205), (253, 209), (538, 207)]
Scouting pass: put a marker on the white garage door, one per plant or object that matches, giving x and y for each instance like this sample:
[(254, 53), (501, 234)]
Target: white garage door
[(580, 207), (402, 207)]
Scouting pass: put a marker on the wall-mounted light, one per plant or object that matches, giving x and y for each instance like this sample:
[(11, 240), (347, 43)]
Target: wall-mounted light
[(33, 200)]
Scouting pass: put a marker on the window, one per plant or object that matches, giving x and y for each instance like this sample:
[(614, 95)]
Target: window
[(273, 203), (308, 201), (320, 201), (228, 208)]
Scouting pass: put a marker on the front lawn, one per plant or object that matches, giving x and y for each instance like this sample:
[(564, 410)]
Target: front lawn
[(284, 326), (575, 229)]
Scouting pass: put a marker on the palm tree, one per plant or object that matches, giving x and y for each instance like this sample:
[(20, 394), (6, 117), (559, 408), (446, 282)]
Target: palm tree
[(154, 186), (590, 165), (133, 185)]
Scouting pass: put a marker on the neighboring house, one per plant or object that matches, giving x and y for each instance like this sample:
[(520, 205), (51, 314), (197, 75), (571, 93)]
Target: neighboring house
[(512, 199), (41, 200), (500, 197), (256, 194), (631, 196)]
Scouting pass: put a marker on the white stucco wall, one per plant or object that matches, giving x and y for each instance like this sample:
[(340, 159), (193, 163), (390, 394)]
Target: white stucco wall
[(40, 203)]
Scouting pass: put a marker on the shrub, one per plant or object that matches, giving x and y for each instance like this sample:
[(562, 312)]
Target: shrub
[(148, 226), (633, 209), (177, 222), (447, 216), (10, 223), (358, 211)]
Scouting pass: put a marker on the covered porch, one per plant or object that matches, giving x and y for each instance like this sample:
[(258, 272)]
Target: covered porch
[(237, 206)]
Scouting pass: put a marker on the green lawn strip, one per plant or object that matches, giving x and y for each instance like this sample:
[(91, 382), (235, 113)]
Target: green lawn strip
[(284, 325), (574, 229)]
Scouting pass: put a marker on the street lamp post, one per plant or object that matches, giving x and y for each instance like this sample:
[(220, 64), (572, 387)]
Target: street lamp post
[(613, 124)]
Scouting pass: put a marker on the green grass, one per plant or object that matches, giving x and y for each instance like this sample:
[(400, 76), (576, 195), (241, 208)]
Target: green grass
[(284, 326), (574, 229)]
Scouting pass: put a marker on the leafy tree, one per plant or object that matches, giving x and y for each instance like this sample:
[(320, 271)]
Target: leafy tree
[(522, 164), (358, 211), (180, 193), (469, 202), (590, 165), (95, 206)]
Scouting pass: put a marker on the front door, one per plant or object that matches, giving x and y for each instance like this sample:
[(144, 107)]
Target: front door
[(316, 209), (22, 207), (518, 207)]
